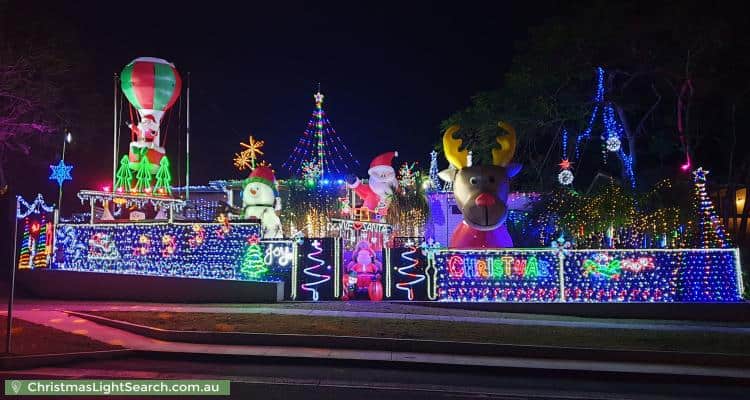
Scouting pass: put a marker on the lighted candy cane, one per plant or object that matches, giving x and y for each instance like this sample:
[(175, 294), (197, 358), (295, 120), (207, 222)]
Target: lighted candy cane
[(308, 271), (224, 228), (200, 236), (143, 247), (406, 286), (170, 245)]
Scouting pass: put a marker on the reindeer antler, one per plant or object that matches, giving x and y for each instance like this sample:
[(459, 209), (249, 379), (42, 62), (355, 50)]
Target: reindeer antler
[(450, 148), (502, 156)]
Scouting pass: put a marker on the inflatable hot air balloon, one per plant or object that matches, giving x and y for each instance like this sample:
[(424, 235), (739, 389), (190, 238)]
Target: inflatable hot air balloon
[(152, 86)]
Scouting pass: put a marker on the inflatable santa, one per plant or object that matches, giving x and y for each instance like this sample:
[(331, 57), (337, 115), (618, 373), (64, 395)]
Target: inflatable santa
[(379, 186), (362, 274), (260, 200)]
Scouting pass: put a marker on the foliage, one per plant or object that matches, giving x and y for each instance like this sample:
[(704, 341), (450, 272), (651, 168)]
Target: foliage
[(308, 207), (650, 51), (588, 219), (45, 87), (408, 211)]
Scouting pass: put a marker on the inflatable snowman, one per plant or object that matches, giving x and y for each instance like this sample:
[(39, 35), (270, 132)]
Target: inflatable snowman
[(260, 200)]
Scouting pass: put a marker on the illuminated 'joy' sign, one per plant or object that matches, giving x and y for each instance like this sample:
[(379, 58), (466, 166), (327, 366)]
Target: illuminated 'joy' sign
[(281, 254)]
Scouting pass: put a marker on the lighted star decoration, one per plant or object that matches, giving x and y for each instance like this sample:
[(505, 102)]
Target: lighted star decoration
[(251, 152), (253, 239), (700, 174), (60, 172), (565, 164), (318, 97)]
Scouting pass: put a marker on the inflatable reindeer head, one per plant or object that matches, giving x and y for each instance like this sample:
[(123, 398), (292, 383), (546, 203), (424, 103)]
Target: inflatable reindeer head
[(481, 191)]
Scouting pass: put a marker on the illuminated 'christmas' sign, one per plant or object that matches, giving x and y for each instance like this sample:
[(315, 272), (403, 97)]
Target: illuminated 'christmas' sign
[(495, 267), (597, 275), (497, 275)]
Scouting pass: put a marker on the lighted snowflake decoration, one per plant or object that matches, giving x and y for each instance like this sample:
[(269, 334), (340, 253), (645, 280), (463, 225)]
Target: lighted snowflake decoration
[(246, 158), (311, 170), (242, 160), (565, 177), (613, 143), (60, 172), (561, 247)]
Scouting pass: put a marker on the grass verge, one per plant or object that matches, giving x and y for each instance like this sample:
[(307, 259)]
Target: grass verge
[(632, 339), (29, 338)]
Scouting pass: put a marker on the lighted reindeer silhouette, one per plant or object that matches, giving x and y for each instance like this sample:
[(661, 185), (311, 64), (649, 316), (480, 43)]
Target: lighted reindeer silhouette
[(481, 191)]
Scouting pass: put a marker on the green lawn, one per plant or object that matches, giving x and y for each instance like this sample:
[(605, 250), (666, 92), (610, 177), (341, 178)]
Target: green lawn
[(31, 338), (441, 330)]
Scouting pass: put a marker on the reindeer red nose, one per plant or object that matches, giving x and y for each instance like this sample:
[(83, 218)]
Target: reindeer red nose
[(485, 200)]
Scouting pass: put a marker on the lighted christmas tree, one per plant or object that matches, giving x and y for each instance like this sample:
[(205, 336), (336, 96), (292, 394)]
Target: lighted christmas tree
[(434, 179), (124, 175), (163, 177), (253, 265), (711, 233), (143, 176), (24, 258), (320, 144)]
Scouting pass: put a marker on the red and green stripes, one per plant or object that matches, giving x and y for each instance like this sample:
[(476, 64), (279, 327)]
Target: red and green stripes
[(151, 84)]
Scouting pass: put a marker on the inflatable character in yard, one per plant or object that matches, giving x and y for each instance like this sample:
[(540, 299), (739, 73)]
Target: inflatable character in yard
[(481, 191), (362, 274), (260, 200), (380, 185)]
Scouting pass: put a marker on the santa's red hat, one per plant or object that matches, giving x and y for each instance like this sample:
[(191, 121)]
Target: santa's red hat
[(150, 117), (382, 163), (263, 175)]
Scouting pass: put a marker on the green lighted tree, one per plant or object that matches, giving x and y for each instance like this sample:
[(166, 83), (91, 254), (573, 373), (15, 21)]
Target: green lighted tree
[(163, 177), (124, 175), (253, 265), (143, 175)]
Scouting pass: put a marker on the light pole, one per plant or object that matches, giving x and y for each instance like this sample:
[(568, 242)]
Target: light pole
[(66, 140)]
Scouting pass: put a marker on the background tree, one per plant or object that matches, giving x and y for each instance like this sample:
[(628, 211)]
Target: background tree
[(650, 52)]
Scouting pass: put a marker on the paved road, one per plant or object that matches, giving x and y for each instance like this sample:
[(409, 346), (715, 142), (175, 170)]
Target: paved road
[(267, 380)]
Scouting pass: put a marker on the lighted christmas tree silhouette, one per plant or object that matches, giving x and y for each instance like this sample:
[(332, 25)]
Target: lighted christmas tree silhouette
[(711, 233), (434, 179), (163, 177), (321, 145), (253, 265), (124, 175), (143, 176)]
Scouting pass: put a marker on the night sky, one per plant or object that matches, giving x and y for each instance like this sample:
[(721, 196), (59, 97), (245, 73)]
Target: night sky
[(391, 72)]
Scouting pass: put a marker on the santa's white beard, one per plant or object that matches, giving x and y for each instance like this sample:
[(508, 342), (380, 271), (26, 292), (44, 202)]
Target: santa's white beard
[(382, 188)]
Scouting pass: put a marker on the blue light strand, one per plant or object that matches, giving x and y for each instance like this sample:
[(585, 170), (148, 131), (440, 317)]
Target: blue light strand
[(613, 129), (598, 98)]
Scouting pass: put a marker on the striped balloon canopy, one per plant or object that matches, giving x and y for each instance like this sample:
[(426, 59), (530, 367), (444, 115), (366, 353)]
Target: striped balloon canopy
[(152, 85)]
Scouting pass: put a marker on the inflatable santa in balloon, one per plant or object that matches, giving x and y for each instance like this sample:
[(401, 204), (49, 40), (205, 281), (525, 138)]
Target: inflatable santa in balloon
[(380, 185)]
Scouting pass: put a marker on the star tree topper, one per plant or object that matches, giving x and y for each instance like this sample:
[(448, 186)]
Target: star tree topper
[(60, 173), (700, 174)]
